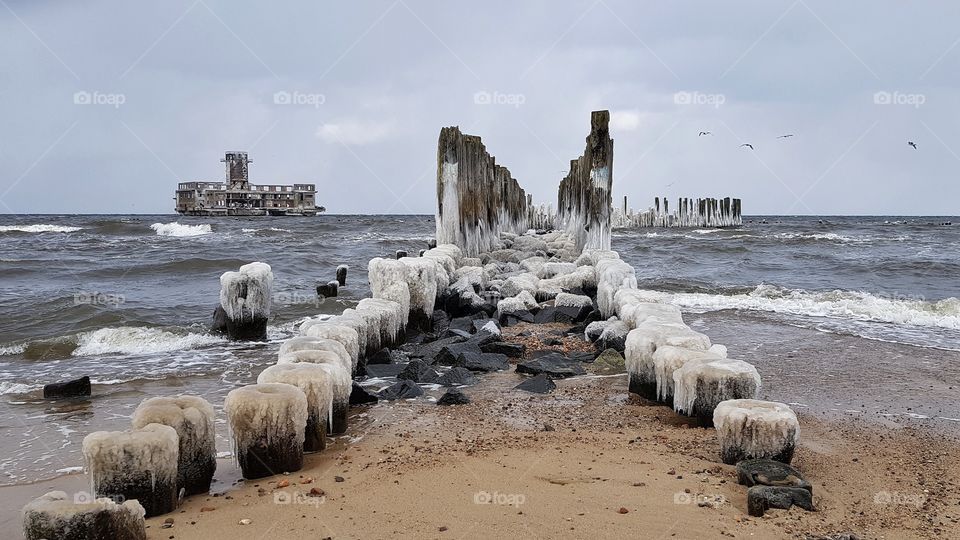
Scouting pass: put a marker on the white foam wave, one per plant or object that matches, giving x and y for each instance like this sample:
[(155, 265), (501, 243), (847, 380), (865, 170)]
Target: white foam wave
[(706, 231), (138, 340), (38, 228), (177, 229), (271, 229), (833, 237), (855, 305), (7, 387), (12, 349)]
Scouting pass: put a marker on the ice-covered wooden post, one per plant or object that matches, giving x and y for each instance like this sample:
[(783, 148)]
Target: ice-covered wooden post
[(584, 200), (753, 429), (268, 422), (55, 516), (193, 419), (140, 464), (316, 384), (342, 275), (699, 386), (245, 299)]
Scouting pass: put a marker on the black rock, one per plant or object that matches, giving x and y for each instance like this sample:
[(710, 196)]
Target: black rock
[(577, 330), (419, 371), (457, 376), (464, 324), (478, 324), (382, 356), (593, 316), (450, 332), (454, 396), (439, 320), (481, 361), (384, 370), (572, 314), (513, 350), (219, 325), (545, 315), (75, 388), (585, 357), (555, 366), (483, 338), (551, 342), (447, 356), (767, 472), (360, 396), (401, 390), (762, 498), (430, 350), (516, 317), (540, 384)]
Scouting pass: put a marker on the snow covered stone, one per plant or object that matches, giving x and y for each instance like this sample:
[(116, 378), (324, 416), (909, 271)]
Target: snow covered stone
[(343, 334), (754, 429), (521, 302), (699, 386), (245, 299), (55, 516), (516, 284), (139, 464), (268, 422), (614, 336), (554, 269), (573, 300), (590, 257), (317, 384), (193, 419), (638, 313)]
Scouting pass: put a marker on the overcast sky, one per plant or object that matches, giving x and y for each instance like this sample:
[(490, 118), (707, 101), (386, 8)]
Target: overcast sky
[(107, 105)]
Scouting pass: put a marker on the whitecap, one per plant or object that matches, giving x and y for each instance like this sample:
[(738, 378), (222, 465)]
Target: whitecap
[(177, 229), (138, 340), (39, 228)]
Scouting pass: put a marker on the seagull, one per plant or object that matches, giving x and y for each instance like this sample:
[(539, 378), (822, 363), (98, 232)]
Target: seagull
[(913, 144), (748, 145), (785, 136), (702, 133)]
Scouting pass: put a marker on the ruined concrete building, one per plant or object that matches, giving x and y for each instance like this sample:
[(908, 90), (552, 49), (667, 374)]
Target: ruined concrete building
[(238, 197)]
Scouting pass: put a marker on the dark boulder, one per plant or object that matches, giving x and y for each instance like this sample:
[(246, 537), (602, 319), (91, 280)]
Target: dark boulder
[(401, 390), (481, 361), (447, 356), (551, 342), (219, 325), (382, 356), (454, 396), (457, 376), (540, 384), (439, 321), (762, 498), (585, 357), (327, 290), (767, 472), (555, 366), (464, 324), (513, 350), (609, 362), (380, 371), (478, 325), (67, 389), (361, 396), (515, 317), (419, 371), (430, 350)]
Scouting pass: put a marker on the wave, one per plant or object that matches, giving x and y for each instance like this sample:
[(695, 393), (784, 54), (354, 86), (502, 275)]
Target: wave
[(7, 387), (267, 230), (177, 229), (38, 228), (856, 305), (138, 340)]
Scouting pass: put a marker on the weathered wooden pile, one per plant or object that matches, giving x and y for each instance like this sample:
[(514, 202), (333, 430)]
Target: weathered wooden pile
[(706, 212), (584, 198)]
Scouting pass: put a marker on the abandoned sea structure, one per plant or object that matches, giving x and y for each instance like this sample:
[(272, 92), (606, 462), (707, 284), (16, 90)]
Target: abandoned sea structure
[(497, 261), (236, 196)]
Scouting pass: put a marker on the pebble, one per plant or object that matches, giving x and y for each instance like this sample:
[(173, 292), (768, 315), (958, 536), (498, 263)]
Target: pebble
[(338, 479), (283, 483), (207, 509), (245, 521), (623, 510)]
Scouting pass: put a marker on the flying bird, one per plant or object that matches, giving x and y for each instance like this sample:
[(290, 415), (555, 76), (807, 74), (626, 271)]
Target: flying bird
[(913, 144), (785, 136), (702, 133), (747, 145)]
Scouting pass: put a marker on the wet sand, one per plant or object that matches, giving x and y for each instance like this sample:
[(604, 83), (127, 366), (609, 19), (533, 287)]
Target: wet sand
[(513, 464)]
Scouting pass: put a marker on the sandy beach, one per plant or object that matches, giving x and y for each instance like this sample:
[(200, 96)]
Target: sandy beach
[(588, 460)]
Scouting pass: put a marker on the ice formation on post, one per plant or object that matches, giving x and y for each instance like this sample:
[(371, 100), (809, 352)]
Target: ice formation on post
[(612, 275), (342, 385), (315, 382), (700, 385), (753, 429), (476, 198), (55, 516), (345, 335), (307, 343), (584, 198), (666, 360), (342, 275), (268, 422), (643, 341), (708, 212), (388, 281), (193, 418), (422, 285), (386, 318), (139, 464), (245, 300)]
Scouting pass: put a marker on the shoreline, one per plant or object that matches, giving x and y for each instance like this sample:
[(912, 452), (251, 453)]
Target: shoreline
[(412, 468)]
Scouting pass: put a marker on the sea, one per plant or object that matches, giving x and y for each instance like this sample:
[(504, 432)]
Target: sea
[(849, 316)]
